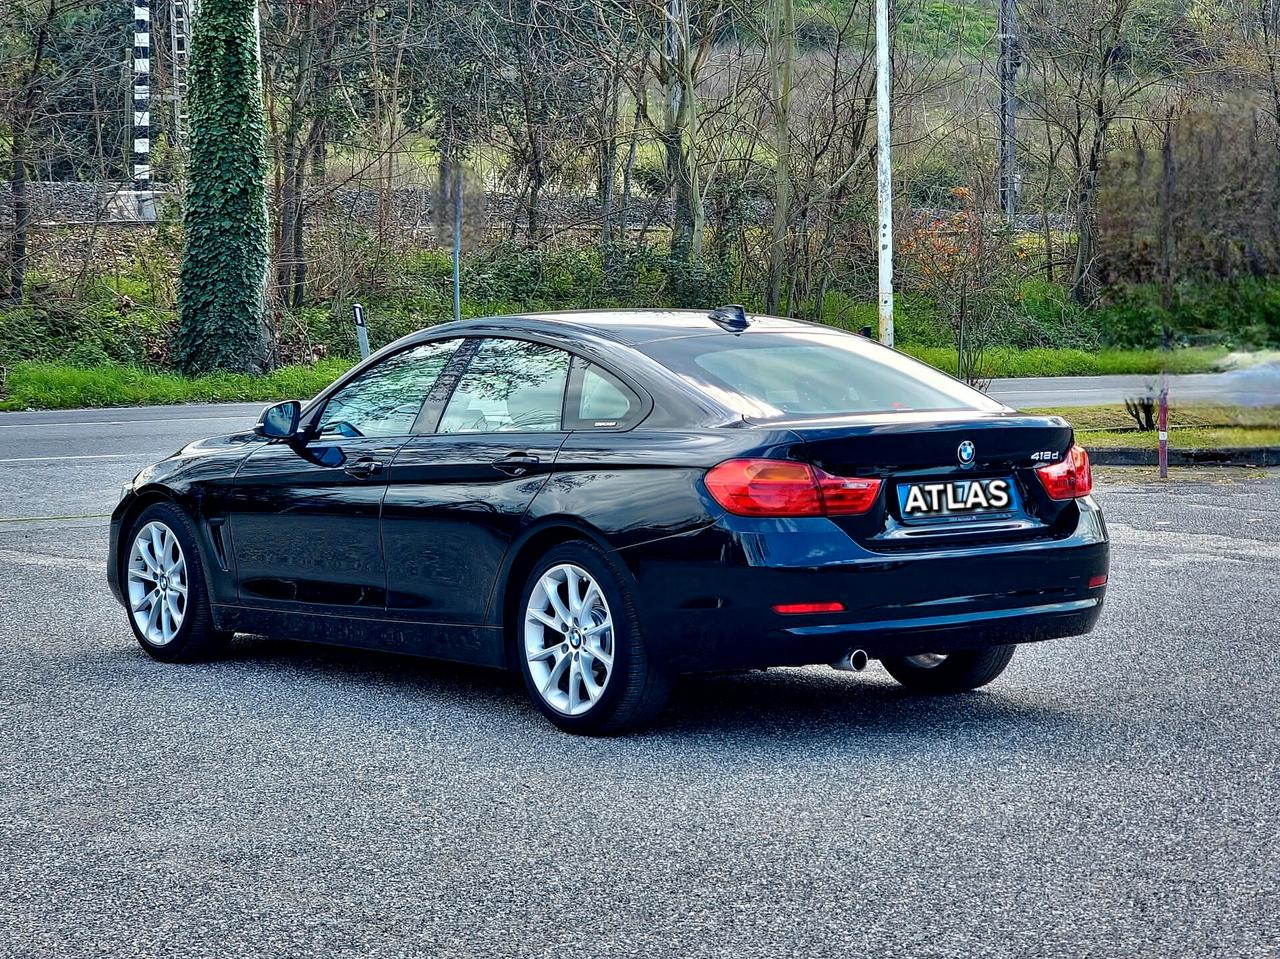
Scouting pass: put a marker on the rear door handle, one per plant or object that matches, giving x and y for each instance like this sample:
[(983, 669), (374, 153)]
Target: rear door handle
[(516, 464), (363, 469)]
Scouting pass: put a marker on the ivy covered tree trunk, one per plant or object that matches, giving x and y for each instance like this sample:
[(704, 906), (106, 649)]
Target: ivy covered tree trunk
[(226, 257)]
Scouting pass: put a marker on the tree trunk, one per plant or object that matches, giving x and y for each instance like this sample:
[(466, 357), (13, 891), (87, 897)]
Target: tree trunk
[(21, 216), (20, 145)]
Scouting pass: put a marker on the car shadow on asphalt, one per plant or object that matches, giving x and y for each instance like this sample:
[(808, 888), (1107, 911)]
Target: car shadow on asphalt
[(813, 705)]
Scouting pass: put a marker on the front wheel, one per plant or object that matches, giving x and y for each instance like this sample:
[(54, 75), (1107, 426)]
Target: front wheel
[(580, 647), (164, 588), (949, 672)]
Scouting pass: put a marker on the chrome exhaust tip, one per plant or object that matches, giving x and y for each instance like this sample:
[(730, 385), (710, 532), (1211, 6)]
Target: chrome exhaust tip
[(854, 661)]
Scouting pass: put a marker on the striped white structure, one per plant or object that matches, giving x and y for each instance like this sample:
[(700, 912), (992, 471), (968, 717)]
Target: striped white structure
[(142, 110)]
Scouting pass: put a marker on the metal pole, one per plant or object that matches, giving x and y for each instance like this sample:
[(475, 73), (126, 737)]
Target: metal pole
[(457, 239), (884, 171), (1163, 425), (1008, 74), (362, 332)]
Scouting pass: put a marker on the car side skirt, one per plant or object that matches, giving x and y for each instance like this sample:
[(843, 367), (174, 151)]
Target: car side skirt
[(474, 645)]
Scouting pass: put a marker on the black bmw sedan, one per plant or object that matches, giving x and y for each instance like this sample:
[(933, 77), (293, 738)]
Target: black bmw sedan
[(603, 501)]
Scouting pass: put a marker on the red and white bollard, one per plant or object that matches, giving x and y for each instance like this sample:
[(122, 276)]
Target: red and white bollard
[(1163, 426)]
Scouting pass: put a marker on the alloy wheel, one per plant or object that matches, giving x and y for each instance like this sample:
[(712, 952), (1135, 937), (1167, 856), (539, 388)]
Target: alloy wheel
[(569, 639), (157, 577)]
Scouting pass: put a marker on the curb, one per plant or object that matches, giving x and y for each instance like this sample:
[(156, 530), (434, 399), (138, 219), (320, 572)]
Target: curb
[(1225, 456)]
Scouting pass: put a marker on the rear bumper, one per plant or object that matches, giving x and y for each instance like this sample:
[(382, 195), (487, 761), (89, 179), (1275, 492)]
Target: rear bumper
[(707, 599)]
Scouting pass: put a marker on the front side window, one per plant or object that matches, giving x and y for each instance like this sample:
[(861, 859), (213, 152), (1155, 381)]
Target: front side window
[(510, 386), (385, 400)]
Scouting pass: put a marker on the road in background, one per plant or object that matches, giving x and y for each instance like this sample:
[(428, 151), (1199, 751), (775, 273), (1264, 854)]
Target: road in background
[(1252, 386)]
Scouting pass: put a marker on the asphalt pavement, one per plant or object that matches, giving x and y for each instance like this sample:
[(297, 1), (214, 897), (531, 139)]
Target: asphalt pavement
[(1112, 795)]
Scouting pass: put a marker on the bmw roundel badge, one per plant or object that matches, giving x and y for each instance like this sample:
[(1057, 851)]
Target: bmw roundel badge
[(966, 453)]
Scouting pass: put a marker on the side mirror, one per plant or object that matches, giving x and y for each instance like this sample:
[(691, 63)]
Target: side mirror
[(279, 422)]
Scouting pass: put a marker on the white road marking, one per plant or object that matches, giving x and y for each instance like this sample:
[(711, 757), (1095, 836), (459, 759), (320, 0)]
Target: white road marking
[(40, 424), (85, 456)]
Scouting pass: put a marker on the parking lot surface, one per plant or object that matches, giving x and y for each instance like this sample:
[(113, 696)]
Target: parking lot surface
[(1112, 795)]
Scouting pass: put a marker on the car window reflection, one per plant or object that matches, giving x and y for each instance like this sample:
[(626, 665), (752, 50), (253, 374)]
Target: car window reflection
[(386, 399), (510, 386)]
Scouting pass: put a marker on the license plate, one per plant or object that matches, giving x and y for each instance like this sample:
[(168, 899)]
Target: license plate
[(930, 499)]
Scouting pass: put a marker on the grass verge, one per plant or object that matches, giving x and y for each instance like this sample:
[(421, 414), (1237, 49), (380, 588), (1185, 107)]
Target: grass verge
[(1047, 362), (1196, 426), (58, 386)]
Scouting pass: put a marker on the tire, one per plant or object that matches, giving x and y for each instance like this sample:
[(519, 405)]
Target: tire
[(176, 626), (589, 673), (949, 673)]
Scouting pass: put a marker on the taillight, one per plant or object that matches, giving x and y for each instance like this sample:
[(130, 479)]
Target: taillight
[(1069, 478), (760, 487), (798, 609)]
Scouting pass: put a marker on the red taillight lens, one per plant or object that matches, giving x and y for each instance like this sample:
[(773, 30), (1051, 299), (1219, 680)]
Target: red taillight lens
[(760, 487), (796, 609), (1070, 478)]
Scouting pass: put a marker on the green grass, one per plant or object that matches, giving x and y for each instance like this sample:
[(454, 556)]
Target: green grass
[(57, 386), (1196, 426), (1063, 362), (1201, 437)]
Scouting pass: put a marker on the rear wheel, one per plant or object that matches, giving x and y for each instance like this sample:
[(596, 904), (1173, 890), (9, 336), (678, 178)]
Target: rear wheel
[(580, 648), (164, 588), (949, 672)]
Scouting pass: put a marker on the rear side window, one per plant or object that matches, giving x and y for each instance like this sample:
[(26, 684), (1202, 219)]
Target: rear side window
[(599, 400), (510, 386), (811, 374)]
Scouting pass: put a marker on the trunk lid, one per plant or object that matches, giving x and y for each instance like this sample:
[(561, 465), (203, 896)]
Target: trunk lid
[(945, 454)]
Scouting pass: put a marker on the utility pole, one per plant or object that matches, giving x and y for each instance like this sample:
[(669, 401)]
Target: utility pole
[(1009, 61), (884, 170)]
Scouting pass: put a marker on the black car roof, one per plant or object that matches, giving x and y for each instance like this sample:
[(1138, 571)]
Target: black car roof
[(631, 327)]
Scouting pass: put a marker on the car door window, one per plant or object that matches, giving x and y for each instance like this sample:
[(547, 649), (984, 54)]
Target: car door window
[(386, 399), (510, 386)]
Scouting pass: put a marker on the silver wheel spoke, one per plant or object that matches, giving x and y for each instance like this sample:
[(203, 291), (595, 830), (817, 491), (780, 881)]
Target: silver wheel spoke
[(553, 677), (542, 654), (589, 681), (573, 585), (551, 590), (599, 655), (575, 681), (545, 620)]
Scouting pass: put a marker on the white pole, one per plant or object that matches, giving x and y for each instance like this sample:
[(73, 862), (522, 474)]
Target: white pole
[(884, 171)]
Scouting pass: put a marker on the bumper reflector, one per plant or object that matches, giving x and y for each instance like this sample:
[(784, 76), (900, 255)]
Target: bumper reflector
[(794, 609), (1096, 581)]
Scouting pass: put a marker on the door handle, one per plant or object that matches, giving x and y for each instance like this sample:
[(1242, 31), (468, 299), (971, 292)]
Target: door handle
[(363, 469), (515, 464)]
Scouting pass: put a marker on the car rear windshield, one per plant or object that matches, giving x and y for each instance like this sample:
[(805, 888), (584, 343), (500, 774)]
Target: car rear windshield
[(770, 375)]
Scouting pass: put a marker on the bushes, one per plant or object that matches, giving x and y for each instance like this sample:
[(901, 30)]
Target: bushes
[(1243, 314)]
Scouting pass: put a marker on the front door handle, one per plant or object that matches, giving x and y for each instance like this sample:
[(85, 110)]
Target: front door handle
[(363, 469), (516, 464)]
